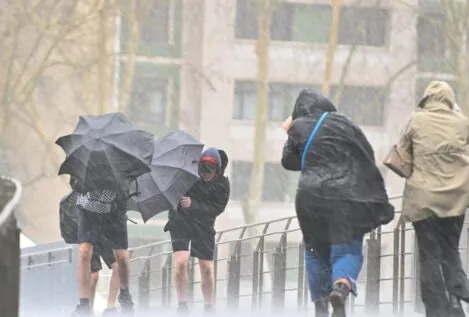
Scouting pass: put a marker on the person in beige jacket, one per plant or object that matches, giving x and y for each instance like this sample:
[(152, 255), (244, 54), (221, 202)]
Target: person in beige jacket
[(436, 196)]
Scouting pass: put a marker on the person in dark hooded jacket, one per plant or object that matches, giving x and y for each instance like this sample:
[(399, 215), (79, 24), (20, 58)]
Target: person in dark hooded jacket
[(192, 224), (341, 196)]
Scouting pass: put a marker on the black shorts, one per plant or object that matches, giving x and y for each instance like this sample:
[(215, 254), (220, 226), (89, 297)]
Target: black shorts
[(93, 227), (201, 246), (102, 250)]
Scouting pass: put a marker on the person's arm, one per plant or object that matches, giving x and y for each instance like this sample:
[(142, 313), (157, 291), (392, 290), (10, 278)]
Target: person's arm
[(405, 142), (291, 156), (216, 203)]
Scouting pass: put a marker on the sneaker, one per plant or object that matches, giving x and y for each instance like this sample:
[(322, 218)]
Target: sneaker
[(127, 305), (81, 310), (110, 312), (209, 310), (337, 297)]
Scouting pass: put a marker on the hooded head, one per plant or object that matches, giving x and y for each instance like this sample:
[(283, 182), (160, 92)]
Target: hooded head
[(210, 165), (438, 91), (311, 103)]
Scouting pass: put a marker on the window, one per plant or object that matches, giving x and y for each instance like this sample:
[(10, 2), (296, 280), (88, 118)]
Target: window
[(147, 101), (365, 105), (363, 26), (310, 23), (244, 107), (433, 51), (246, 19), (154, 24), (240, 174), (282, 98), (277, 182)]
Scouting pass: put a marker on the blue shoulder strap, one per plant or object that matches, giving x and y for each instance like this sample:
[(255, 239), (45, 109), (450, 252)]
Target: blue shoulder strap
[(311, 138)]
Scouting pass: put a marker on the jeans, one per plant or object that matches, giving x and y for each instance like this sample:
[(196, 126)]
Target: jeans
[(328, 263)]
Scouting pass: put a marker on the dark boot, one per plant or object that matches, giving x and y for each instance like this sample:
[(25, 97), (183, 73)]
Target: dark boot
[(337, 297), (183, 309), (82, 310), (456, 307), (321, 308), (125, 300)]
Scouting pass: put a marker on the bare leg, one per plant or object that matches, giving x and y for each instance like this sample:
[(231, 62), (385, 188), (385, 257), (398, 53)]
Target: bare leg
[(94, 283), (208, 281), (181, 274), (84, 270), (122, 258), (113, 286)]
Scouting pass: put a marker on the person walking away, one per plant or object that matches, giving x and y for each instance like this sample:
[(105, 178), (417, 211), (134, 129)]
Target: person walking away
[(436, 196), (104, 251), (341, 196), (191, 226), (102, 214)]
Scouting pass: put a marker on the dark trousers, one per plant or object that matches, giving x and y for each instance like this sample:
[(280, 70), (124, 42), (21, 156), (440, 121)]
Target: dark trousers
[(441, 272)]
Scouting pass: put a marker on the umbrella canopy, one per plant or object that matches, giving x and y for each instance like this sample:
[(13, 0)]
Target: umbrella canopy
[(68, 218), (105, 151), (174, 169)]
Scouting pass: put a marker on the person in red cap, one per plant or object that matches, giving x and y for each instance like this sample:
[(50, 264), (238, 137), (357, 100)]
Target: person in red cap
[(192, 224)]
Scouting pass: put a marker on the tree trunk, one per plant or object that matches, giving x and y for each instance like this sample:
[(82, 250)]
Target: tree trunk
[(252, 205), (131, 47), (330, 55)]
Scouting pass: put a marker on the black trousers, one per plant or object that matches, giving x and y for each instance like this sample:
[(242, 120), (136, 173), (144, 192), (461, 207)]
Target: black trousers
[(441, 272)]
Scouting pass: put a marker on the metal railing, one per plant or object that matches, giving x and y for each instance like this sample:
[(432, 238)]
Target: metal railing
[(261, 266), (10, 193)]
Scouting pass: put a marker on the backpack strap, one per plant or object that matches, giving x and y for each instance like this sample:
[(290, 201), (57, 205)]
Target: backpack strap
[(312, 136)]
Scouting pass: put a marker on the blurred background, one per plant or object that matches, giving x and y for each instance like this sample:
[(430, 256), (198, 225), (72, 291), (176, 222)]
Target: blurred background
[(227, 71)]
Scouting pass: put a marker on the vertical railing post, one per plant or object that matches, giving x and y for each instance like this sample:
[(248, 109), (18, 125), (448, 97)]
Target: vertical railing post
[(279, 277), (190, 290), (255, 276), (10, 193), (301, 277), (395, 275), (144, 286), (373, 272), (234, 272), (402, 269), (167, 278)]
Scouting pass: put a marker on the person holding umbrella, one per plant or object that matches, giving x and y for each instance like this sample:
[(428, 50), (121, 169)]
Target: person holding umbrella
[(104, 154), (191, 225)]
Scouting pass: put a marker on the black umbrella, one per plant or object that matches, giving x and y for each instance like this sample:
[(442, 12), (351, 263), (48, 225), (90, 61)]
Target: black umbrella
[(68, 218), (106, 151), (174, 169)]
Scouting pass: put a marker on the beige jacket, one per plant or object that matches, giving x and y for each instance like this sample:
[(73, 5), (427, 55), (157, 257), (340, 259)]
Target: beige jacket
[(438, 139)]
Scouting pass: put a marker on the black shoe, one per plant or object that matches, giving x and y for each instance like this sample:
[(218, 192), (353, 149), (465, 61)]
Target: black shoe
[(183, 310), (322, 308), (337, 297), (110, 312), (82, 310), (456, 307), (127, 305)]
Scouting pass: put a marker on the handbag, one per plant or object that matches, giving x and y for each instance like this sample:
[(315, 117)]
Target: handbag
[(312, 136), (399, 161)]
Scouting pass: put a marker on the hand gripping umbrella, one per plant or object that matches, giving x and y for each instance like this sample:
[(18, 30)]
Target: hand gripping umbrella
[(106, 151), (174, 169)]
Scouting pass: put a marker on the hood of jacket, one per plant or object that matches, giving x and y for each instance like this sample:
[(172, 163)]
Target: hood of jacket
[(438, 92), (311, 103)]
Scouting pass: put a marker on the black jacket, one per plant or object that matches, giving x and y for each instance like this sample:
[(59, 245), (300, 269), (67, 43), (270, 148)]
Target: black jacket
[(208, 201), (340, 163)]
